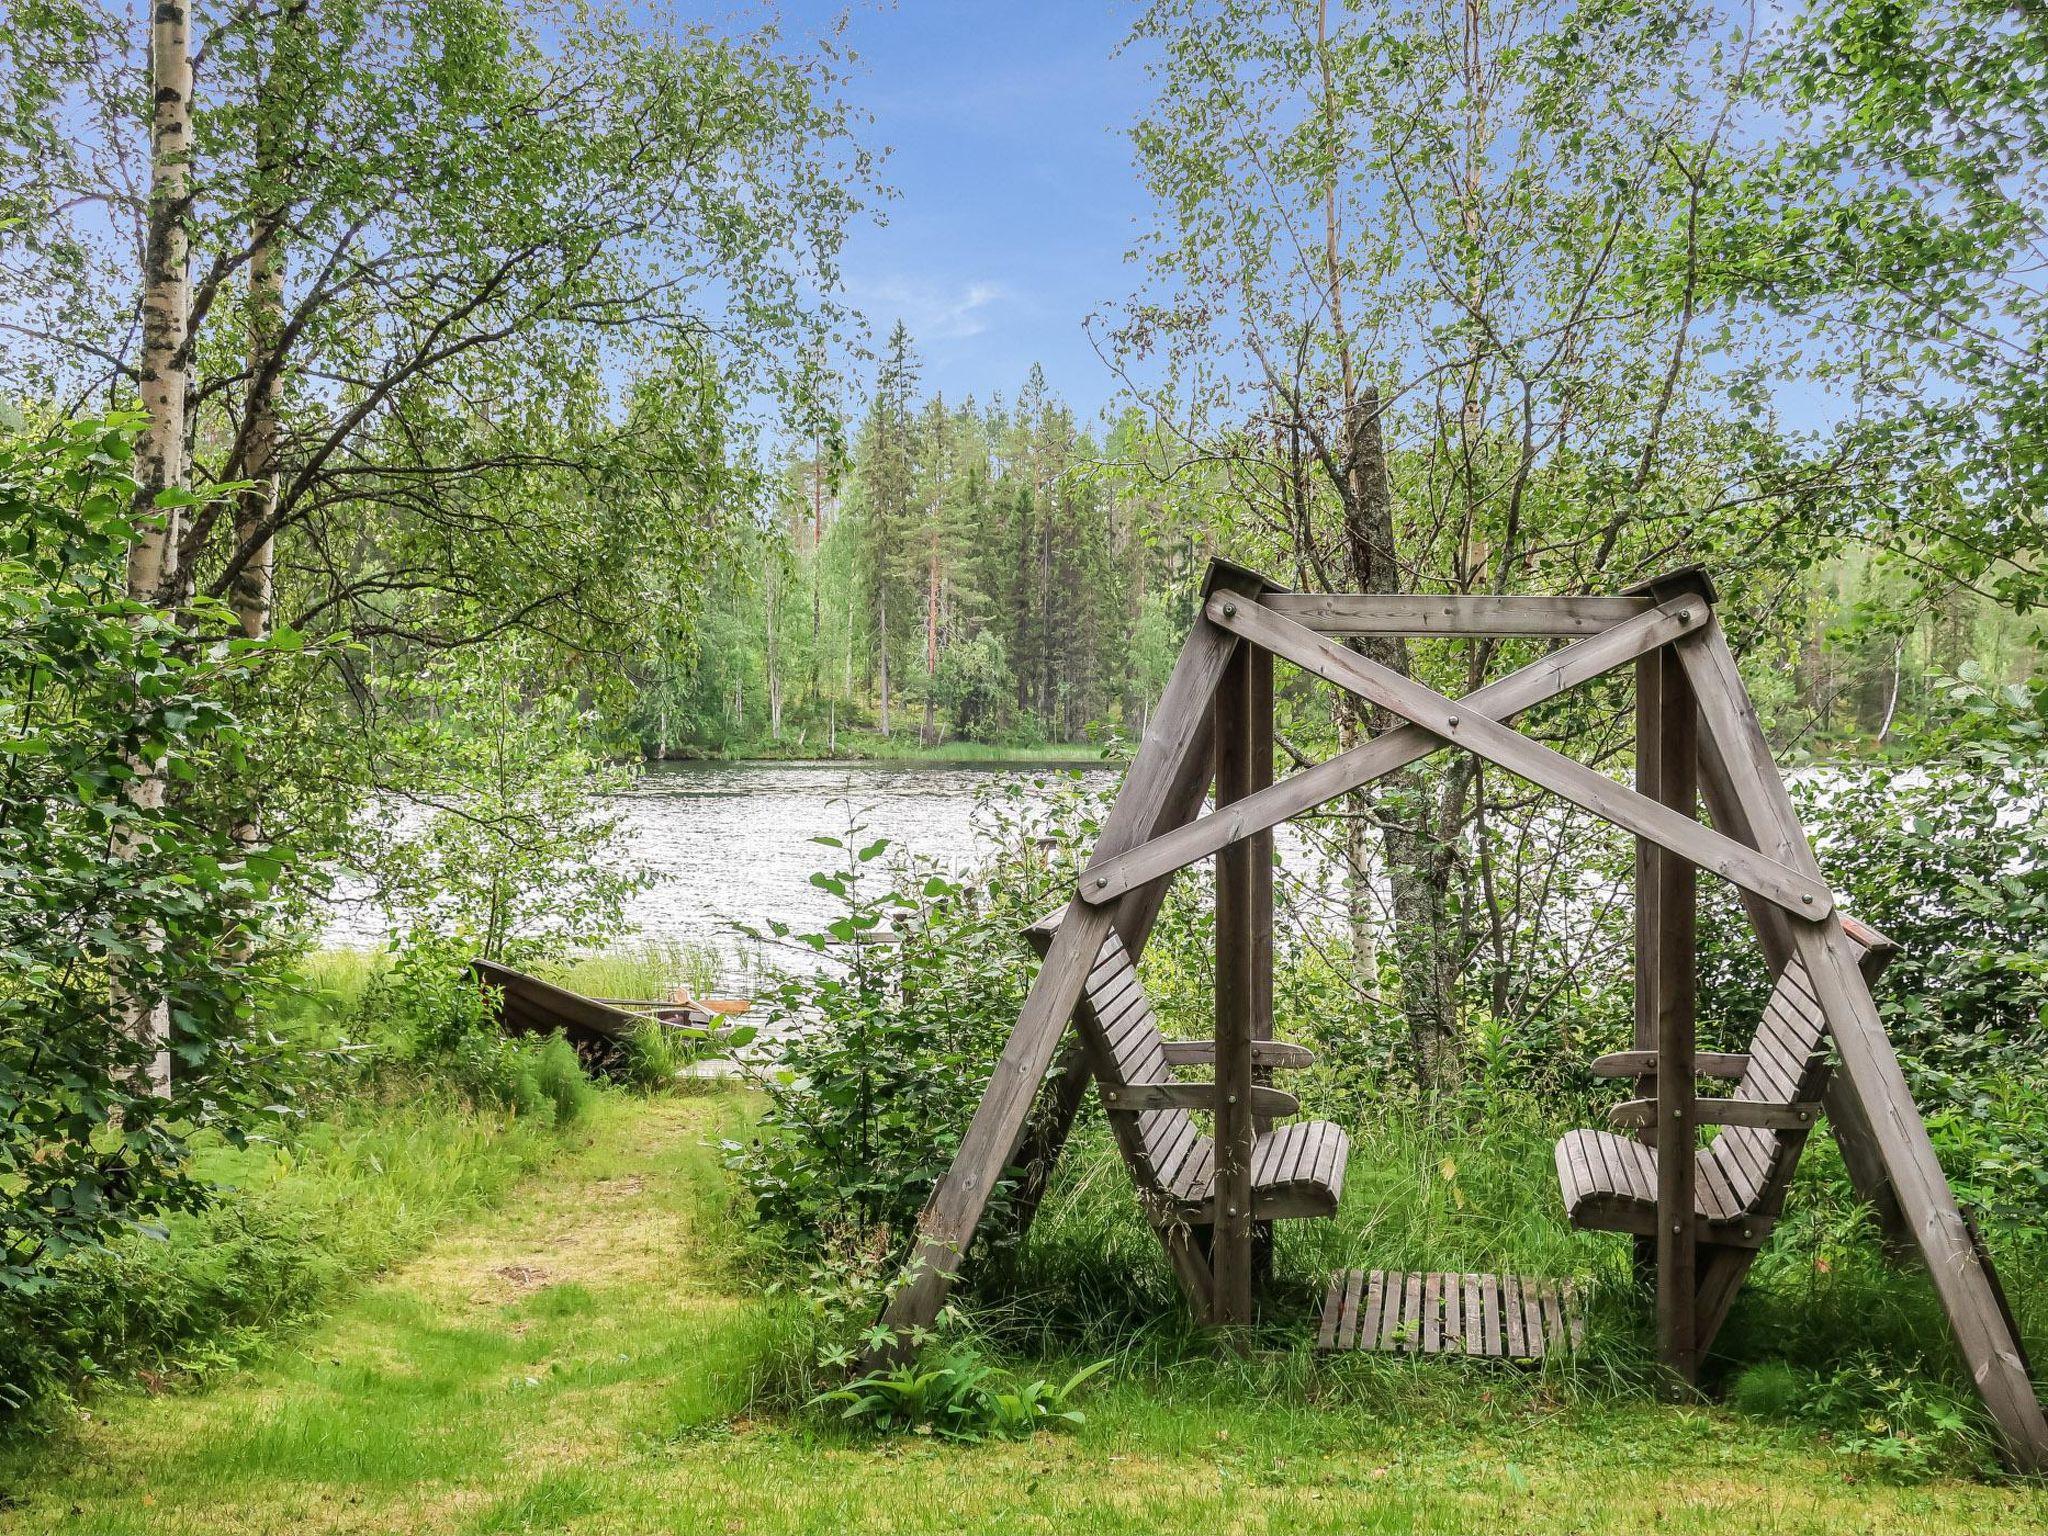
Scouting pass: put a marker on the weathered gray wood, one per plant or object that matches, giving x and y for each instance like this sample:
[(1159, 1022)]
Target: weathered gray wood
[(1676, 970), (1565, 669), (1135, 1098), (1720, 1065), (1259, 897), (1846, 1120), (1230, 1249), (1584, 787), (1372, 1320), (947, 1224), (1648, 866), (1270, 1054), (1870, 1067), (1638, 1114), (1417, 614)]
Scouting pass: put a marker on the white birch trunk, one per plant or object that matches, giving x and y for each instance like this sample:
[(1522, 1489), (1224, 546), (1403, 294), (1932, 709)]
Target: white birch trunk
[(160, 460)]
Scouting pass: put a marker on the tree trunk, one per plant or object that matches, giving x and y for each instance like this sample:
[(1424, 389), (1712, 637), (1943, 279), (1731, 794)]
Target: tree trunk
[(1420, 863), (772, 659), (931, 644), (817, 574), (160, 461), (882, 648)]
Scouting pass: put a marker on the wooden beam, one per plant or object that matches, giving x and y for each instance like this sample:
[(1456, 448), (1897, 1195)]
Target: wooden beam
[(1418, 614), (1677, 910), (1230, 1245), (1266, 1054), (1847, 1123), (1649, 760), (1259, 775), (1299, 793), (1052, 1120), (1205, 1098), (1643, 1114), (946, 1226), (1725, 1065), (1870, 1067), (1590, 790)]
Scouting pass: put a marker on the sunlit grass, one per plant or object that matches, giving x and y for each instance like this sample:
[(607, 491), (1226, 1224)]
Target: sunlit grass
[(590, 1355), (644, 970)]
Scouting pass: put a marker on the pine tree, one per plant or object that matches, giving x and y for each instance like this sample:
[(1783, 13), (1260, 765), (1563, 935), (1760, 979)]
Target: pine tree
[(886, 471)]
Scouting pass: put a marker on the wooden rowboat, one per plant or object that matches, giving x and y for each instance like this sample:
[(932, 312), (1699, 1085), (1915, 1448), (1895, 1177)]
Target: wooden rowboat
[(526, 1005)]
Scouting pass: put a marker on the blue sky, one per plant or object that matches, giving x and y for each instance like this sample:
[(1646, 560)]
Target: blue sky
[(1004, 125)]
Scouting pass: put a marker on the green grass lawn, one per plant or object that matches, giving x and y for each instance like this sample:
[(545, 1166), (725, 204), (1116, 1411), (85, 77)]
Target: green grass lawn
[(588, 1357)]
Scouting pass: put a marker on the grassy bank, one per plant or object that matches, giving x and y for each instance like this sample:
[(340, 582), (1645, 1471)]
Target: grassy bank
[(361, 1187), (592, 1356)]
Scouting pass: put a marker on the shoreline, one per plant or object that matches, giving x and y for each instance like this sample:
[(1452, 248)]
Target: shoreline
[(1070, 755)]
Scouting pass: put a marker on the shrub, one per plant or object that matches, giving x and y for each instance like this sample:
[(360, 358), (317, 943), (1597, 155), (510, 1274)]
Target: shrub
[(148, 897), (959, 1395), (883, 1051), (425, 1010)]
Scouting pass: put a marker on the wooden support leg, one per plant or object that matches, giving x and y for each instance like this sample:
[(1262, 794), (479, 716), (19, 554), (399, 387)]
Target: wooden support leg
[(1648, 872), (1846, 1121), (946, 1227), (1236, 1007), (1677, 1272), (1870, 1068), (1259, 775), (1045, 1136)]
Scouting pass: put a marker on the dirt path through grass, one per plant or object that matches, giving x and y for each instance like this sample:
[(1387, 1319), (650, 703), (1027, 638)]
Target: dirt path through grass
[(582, 1359)]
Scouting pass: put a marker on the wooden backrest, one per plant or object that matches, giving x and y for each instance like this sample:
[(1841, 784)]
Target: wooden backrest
[(1788, 1064), (1115, 1018)]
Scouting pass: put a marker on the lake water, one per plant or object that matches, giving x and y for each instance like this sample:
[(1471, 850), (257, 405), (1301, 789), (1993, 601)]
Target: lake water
[(730, 844), (732, 841)]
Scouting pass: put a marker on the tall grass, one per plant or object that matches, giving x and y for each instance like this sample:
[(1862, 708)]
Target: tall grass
[(358, 1189), (1827, 1321), (649, 970)]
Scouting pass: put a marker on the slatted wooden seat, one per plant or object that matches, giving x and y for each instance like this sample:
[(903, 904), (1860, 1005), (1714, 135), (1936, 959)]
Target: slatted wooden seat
[(1297, 1168), (1609, 1180)]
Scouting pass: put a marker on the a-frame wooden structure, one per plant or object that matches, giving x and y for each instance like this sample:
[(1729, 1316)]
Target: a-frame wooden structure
[(1699, 741)]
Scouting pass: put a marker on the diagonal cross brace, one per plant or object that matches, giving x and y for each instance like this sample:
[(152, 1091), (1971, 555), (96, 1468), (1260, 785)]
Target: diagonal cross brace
[(1799, 893), (1560, 672)]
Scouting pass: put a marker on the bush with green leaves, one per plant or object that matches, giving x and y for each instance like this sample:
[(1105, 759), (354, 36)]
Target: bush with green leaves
[(425, 1009), (958, 1394), (495, 832), (1942, 843), (875, 1054), (108, 893)]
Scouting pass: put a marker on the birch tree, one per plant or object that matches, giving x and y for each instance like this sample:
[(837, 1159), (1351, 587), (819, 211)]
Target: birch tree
[(1429, 287)]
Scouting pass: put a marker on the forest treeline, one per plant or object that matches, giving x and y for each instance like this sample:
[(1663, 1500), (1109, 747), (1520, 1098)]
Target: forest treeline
[(934, 571), (919, 571)]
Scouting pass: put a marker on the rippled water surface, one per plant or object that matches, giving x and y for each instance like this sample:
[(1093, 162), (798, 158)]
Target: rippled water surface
[(733, 840)]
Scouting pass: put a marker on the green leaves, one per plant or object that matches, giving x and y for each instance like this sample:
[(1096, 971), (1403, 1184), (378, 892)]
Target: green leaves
[(117, 887)]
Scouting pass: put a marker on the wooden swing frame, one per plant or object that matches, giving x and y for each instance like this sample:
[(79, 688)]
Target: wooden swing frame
[(1698, 741)]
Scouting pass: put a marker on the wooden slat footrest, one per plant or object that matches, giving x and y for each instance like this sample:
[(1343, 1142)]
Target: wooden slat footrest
[(1509, 1317)]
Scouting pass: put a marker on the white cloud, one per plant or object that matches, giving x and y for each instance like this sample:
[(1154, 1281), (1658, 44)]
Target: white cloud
[(933, 311)]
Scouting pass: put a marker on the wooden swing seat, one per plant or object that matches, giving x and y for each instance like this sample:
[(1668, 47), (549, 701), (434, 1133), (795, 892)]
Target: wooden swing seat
[(1609, 1179), (1297, 1169)]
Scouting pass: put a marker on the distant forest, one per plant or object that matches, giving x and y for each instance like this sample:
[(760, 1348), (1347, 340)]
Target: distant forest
[(925, 571), (935, 571)]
